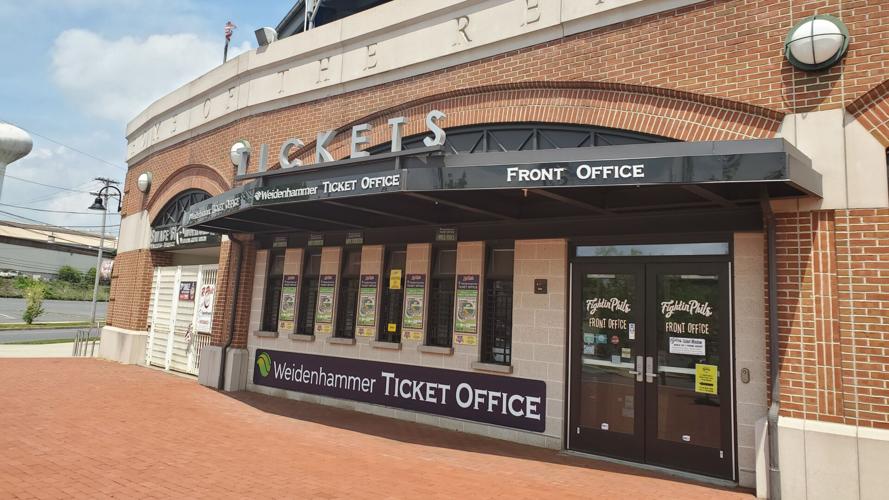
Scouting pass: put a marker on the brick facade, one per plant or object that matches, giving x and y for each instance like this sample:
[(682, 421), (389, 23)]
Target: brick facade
[(833, 313), (713, 70)]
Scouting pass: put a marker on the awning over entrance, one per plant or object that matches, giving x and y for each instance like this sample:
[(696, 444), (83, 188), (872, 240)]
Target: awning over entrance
[(427, 187)]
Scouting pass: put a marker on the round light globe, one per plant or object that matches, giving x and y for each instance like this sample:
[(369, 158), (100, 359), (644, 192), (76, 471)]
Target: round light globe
[(236, 150), (144, 182), (817, 42)]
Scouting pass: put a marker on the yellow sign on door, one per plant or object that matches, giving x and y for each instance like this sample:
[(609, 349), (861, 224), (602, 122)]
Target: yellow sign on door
[(706, 379), (395, 279), (392, 327)]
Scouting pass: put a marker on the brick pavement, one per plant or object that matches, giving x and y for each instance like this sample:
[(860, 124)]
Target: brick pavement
[(91, 429)]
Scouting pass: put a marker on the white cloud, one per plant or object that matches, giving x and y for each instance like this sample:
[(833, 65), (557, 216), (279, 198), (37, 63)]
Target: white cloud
[(116, 79)]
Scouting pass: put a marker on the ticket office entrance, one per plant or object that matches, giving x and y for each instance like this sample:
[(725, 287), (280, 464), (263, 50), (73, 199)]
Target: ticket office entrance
[(651, 355)]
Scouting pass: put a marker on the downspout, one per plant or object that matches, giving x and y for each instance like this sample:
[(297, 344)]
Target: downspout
[(232, 312), (774, 373)]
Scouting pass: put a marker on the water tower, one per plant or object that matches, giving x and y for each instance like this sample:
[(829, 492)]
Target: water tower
[(15, 144)]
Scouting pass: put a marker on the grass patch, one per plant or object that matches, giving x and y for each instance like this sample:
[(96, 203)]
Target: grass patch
[(45, 341), (46, 326), (56, 290)]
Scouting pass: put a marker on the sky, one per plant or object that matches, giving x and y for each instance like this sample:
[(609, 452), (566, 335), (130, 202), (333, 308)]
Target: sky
[(73, 72)]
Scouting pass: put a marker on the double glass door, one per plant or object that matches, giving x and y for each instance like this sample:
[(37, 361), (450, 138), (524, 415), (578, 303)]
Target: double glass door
[(650, 364)]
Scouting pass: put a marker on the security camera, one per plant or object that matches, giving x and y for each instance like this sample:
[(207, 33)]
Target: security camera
[(265, 36)]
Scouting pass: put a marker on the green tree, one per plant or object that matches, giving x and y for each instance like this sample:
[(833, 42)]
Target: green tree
[(89, 277), (34, 302), (69, 274)]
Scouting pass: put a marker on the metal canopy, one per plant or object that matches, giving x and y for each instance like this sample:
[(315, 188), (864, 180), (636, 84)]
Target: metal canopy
[(425, 187)]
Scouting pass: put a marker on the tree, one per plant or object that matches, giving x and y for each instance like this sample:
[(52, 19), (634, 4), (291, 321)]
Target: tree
[(89, 277), (69, 274), (33, 302)]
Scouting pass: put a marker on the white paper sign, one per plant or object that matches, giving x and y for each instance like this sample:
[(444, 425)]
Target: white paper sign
[(690, 346)]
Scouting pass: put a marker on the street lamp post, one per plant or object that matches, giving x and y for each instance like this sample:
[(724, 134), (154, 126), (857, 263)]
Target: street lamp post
[(101, 203)]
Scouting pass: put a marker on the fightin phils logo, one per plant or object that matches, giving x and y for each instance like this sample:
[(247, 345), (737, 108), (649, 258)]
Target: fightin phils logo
[(612, 304), (264, 363)]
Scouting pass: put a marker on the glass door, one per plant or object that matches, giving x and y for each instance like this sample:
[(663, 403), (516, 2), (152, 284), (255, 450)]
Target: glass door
[(607, 390), (651, 364), (688, 368)]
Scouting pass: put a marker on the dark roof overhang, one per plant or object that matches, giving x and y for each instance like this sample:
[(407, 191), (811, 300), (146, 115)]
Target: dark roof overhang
[(427, 187)]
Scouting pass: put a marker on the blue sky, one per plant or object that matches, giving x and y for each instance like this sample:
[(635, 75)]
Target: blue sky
[(75, 71)]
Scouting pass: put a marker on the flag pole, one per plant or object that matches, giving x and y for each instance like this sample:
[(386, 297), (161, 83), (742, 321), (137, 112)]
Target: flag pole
[(227, 29)]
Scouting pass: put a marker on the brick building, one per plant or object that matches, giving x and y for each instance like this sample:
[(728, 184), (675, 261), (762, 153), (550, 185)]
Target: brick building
[(616, 227)]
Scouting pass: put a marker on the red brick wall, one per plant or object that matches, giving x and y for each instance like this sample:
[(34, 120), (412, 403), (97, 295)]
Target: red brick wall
[(228, 258), (833, 314)]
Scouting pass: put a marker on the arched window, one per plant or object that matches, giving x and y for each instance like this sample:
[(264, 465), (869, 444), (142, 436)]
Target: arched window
[(171, 214), (525, 137)]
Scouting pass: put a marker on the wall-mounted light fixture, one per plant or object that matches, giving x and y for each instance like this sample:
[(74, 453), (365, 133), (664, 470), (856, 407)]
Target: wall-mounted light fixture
[(817, 42), (144, 182)]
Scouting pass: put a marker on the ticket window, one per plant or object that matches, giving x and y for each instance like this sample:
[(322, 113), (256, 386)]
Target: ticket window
[(272, 300), (392, 298), (441, 297), (308, 294), (347, 303), (497, 317)]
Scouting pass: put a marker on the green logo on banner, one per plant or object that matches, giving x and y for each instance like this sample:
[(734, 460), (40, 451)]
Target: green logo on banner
[(264, 362)]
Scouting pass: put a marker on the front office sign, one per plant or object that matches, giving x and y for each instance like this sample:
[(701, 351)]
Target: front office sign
[(508, 401)]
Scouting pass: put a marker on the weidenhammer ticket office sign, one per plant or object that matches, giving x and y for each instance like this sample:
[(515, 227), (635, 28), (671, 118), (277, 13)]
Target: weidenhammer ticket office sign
[(508, 401)]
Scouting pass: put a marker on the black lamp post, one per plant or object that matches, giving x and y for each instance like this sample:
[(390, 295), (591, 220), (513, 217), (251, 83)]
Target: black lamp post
[(100, 203)]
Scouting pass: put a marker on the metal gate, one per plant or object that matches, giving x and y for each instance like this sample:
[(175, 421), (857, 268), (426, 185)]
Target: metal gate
[(180, 316)]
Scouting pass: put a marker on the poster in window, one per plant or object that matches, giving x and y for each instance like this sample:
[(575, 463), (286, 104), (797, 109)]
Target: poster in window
[(205, 308), (414, 301), (186, 290), (367, 305), (326, 290), (466, 314), (288, 302)]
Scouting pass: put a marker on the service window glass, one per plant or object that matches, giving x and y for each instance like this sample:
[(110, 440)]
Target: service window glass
[(441, 297), (347, 303), (273, 284), (391, 300), (497, 307), (308, 293)]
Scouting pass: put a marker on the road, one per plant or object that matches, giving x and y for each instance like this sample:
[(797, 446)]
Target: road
[(55, 310), (10, 336)]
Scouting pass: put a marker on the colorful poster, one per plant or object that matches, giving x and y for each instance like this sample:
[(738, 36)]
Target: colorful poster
[(706, 379), (367, 304), (205, 308), (288, 302), (467, 304), (187, 289), (326, 292), (414, 301), (395, 279)]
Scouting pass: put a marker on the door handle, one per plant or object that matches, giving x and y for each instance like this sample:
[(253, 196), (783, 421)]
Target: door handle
[(638, 372), (649, 369)]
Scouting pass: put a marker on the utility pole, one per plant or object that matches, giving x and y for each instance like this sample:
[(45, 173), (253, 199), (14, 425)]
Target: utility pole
[(101, 203)]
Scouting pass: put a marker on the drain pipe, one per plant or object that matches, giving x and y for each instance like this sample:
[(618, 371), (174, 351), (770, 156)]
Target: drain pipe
[(774, 373), (233, 311)]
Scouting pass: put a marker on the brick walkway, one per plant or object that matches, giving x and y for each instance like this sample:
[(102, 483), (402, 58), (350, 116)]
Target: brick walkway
[(92, 429)]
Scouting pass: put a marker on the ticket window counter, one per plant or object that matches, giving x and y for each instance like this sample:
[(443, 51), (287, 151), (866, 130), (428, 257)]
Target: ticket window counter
[(308, 294), (651, 355), (272, 300), (392, 298), (441, 296), (347, 301)]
